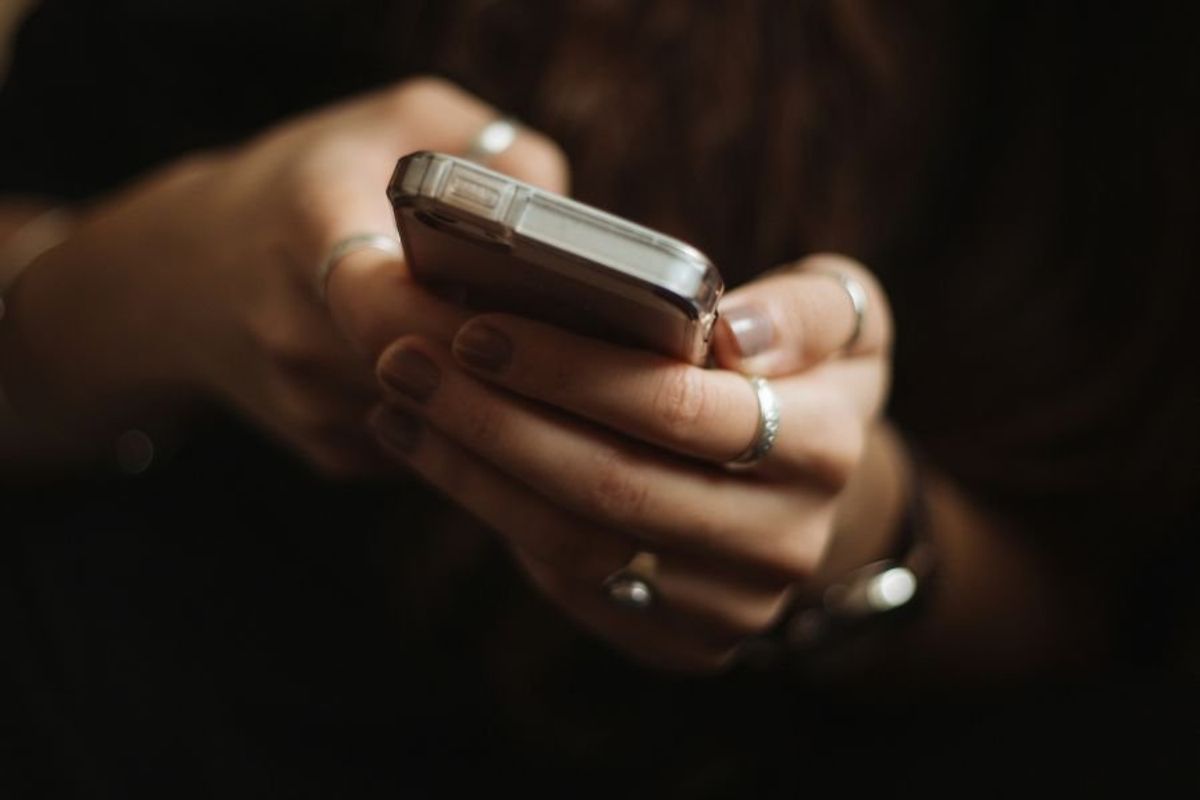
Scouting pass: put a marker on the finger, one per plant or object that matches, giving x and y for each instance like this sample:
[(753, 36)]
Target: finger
[(527, 521), (706, 608), (604, 477), (561, 558), (644, 638), (373, 301), (710, 414), (824, 416), (697, 620), (795, 318), (719, 603)]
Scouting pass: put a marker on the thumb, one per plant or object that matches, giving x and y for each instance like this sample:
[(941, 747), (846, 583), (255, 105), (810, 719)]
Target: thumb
[(794, 318)]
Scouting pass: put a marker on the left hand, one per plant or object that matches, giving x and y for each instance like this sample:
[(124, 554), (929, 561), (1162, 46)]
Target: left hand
[(581, 453)]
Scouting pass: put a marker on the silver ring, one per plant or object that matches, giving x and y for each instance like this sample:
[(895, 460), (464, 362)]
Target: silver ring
[(858, 299), (344, 247), (492, 140), (768, 425), (632, 586)]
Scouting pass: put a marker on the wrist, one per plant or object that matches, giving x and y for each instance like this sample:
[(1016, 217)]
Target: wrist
[(871, 509), (874, 579), (994, 608), (881, 559), (74, 389)]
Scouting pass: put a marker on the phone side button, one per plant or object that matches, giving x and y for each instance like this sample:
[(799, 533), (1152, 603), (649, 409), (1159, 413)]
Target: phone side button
[(476, 196)]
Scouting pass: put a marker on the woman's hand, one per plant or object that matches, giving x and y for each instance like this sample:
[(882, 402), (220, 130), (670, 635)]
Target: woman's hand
[(199, 281), (581, 454)]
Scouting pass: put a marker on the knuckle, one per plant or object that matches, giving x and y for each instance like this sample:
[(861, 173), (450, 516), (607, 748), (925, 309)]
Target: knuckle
[(680, 399), (616, 493), (484, 426)]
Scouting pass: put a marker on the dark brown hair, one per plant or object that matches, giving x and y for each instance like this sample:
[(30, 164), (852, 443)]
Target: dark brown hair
[(746, 128)]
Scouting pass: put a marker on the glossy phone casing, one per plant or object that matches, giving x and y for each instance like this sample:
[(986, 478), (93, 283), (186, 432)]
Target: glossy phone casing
[(497, 244)]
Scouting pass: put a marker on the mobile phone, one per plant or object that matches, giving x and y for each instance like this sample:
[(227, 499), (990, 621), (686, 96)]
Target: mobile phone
[(497, 244)]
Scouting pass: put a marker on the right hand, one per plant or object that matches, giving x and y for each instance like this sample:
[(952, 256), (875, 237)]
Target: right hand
[(199, 281)]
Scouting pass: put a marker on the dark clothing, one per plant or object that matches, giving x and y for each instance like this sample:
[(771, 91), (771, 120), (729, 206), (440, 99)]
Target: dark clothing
[(231, 626)]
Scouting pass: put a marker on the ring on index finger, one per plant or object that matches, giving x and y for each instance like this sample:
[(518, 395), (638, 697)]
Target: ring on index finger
[(767, 430)]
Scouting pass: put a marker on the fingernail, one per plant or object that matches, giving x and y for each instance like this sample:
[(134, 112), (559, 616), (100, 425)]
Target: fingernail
[(411, 374), (751, 328), (483, 347), (397, 429)]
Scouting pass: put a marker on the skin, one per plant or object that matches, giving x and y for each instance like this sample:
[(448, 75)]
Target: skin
[(195, 286), (626, 454)]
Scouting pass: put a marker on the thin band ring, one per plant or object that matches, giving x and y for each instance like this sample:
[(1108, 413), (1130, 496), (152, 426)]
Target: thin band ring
[(632, 586), (492, 140), (344, 247), (768, 425), (858, 300)]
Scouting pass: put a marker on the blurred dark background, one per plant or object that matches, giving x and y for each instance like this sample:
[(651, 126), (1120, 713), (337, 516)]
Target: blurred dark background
[(1021, 175)]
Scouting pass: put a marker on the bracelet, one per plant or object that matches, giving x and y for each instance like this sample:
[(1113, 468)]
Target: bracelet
[(881, 592), (874, 597)]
